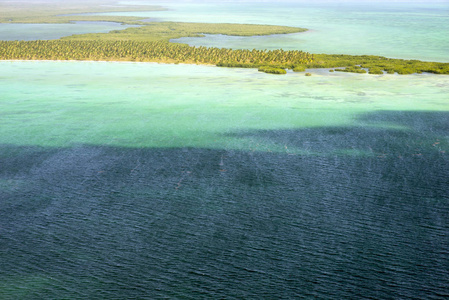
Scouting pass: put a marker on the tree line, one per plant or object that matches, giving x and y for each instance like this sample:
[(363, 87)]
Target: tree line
[(270, 61), (159, 51)]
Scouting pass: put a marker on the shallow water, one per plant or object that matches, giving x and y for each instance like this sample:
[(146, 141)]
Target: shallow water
[(126, 99), (394, 29), (30, 32)]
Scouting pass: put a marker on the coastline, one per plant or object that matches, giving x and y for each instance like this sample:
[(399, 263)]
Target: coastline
[(128, 46), (313, 71)]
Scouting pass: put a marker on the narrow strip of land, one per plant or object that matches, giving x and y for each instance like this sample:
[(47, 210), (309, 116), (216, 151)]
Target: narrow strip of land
[(150, 43), (41, 11)]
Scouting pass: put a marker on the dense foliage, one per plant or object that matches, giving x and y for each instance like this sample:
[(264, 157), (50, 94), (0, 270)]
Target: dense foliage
[(151, 42), (147, 51), (377, 64), (164, 31), (272, 70), (299, 68), (273, 61)]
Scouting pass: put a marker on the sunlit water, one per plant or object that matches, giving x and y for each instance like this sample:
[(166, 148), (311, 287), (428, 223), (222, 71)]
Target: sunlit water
[(394, 29), (141, 180), (147, 180), (30, 32)]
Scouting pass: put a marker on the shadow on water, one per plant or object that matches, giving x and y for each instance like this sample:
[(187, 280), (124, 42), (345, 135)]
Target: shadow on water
[(365, 215)]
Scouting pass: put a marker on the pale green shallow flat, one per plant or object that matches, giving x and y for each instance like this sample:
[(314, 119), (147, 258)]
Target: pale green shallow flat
[(59, 104)]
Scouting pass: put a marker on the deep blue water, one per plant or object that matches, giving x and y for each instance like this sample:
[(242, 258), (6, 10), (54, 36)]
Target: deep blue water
[(111, 222)]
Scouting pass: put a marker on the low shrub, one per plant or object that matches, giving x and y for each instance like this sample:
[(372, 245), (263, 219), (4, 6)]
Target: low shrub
[(375, 71), (272, 70), (299, 68)]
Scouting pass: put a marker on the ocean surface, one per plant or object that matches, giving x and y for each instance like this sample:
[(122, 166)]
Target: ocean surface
[(147, 181)]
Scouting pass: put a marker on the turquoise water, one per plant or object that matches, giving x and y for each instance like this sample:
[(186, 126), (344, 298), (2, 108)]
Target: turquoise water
[(148, 181), (29, 32), (400, 30), (138, 105)]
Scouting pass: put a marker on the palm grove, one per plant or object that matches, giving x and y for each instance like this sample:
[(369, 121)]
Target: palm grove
[(150, 43)]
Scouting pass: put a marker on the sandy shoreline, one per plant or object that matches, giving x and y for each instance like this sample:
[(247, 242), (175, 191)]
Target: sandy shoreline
[(315, 71)]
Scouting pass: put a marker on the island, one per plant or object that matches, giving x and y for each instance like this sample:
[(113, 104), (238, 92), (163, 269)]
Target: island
[(151, 43)]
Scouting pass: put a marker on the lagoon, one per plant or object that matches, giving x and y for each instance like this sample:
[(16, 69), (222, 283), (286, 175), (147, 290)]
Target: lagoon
[(31, 32), (410, 30)]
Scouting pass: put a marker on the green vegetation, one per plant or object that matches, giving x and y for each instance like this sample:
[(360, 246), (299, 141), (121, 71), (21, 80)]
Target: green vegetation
[(164, 31), (151, 43), (375, 71), (272, 70), (352, 69), (355, 63), (299, 68), (70, 10), (148, 51), (147, 43), (308, 74), (276, 61)]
